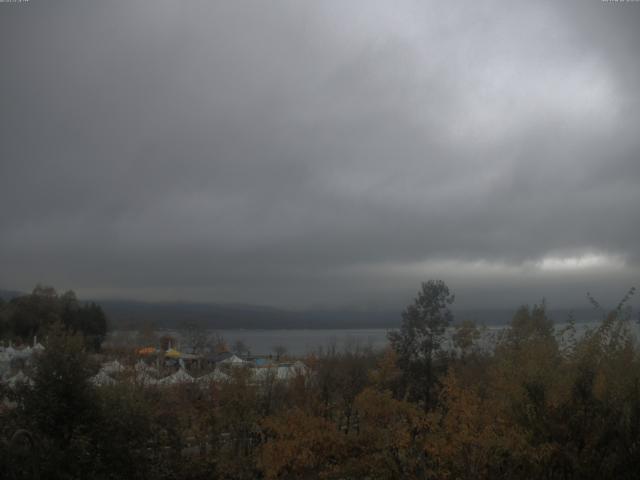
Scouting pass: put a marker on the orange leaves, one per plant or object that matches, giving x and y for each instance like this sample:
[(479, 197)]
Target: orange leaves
[(385, 445), (298, 444), (466, 431), (389, 442), (378, 409), (387, 375)]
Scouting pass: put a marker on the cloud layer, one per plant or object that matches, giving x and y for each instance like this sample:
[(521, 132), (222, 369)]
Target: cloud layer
[(320, 153)]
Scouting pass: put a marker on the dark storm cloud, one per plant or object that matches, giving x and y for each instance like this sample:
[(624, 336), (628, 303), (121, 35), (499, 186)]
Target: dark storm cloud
[(299, 153)]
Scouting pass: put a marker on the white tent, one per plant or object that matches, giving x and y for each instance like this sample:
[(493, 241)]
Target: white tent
[(264, 374), (143, 378), (284, 371), (19, 378), (213, 377), (233, 360), (181, 376), (300, 368), (26, 351), (112, 367), (141, 366), (22, 353), (102, 378)]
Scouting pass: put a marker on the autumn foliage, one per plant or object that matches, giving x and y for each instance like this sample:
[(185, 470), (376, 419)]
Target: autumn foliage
[(532, 400)]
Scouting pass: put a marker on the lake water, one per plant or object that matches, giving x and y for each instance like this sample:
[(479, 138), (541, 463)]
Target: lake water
[(299, 342)]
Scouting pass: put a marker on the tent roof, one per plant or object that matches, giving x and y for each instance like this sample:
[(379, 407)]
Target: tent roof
[(144, 378), (181, 376), (172, 353), (112, 367), (215, 376), (102, 378), (233, 359), (141, 366), (19, 377)]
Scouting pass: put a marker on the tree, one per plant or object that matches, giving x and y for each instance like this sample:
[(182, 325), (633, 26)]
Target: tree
[(61, 406), (147, 335), (391, 438), (530, 324), (4, 318), (280, 351), (469, 434), (300, 445), (352, 378), (240, 347), (167, 341), (465, 337), (420, 338), (92, 324), (122, 438), (219, 343), (33, 314), (386, 375), (195, 338), (239, 417)]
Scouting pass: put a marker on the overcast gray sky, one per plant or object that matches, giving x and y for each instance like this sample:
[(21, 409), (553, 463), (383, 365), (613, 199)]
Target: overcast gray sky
[(325, 153)]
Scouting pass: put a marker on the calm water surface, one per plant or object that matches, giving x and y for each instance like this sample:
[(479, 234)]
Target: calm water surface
[(300, 342)]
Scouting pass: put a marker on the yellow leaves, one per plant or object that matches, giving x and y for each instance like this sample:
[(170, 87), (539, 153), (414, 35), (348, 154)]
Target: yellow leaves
[(466, 432), (385, 445), (465, 336), (298, 443), (380, 409), (387, 374), (389, 441)]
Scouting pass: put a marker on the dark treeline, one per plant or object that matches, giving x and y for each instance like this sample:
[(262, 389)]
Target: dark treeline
[(132, 315), (542, 402), (24, 317)]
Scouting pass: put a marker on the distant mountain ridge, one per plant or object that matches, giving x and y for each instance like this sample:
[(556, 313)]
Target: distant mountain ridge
[(132, 314)]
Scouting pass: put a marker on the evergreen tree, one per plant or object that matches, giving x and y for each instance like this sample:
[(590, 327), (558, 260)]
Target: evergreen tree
[(420, 338)]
